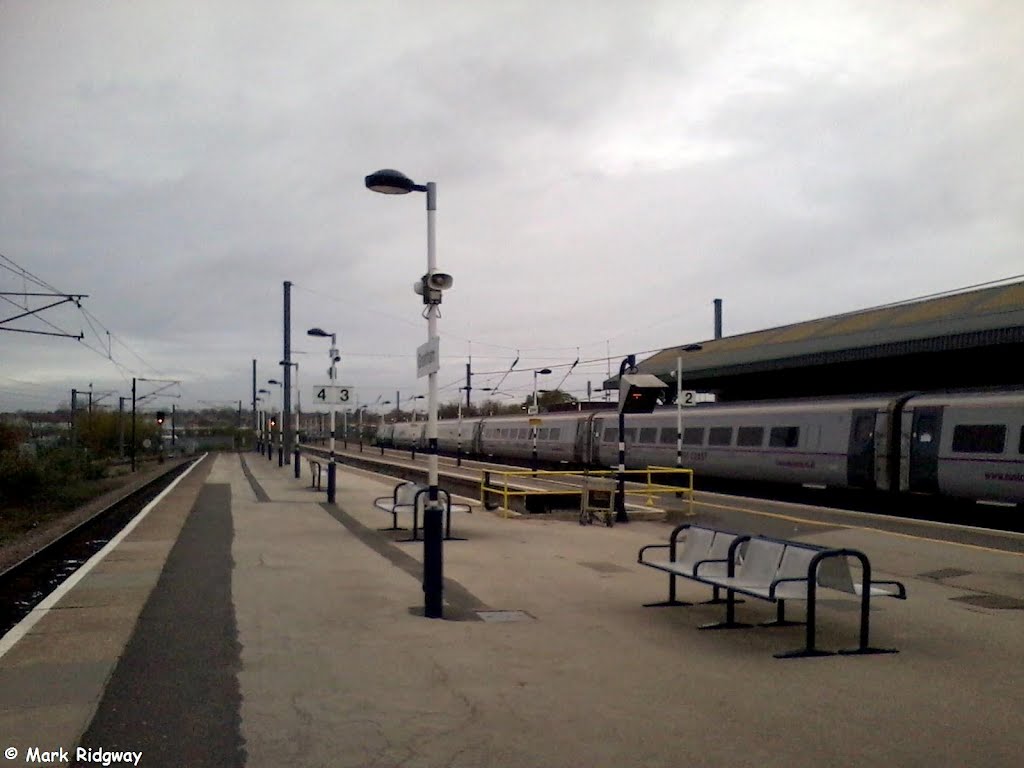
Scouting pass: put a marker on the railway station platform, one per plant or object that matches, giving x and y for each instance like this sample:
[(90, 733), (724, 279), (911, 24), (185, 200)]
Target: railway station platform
[(246, 622)]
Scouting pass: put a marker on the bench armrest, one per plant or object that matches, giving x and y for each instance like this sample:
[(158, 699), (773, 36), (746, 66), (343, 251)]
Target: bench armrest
[(899, 594), (776, 582), (640, 554)]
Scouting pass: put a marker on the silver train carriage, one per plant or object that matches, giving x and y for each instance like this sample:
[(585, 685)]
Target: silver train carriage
[(968, 445)]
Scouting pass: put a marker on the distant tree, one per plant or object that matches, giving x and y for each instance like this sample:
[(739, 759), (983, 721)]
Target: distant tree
[(548, 398)]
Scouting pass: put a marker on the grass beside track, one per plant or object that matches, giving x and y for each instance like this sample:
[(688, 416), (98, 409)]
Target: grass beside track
[(62, 506)]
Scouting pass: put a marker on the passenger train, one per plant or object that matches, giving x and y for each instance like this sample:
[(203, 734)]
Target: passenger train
[(966, 445)]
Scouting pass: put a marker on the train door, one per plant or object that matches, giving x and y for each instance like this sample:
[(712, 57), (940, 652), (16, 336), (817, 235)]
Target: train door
[(581, 445), (924, 450), (474, 443), (860, 456), (596, 436)]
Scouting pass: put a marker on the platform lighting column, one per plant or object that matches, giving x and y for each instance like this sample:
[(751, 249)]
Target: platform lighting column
[(291, 433), (393, 182), (265, 425), (255, 416), (620, 491), (120, 426), (332, 373), (270, 434), (133, 423), (280, 424), (536, 411)]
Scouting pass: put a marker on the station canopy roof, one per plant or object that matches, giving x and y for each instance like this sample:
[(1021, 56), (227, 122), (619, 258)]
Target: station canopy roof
[(969, 339)]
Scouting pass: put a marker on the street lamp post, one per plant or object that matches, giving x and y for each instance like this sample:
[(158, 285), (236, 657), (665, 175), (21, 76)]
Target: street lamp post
[(679, 402), (431, 286), (620, 492), (331, 470), (294, 436), (264, 437), (280, 426), (535, 411), (458, 436)]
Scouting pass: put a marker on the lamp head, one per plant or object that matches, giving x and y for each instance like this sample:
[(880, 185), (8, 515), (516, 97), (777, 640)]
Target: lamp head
[(388, 181), (317, 332)]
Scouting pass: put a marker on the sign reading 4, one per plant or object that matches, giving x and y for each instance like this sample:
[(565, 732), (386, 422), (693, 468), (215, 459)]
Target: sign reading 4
[(329, 394)]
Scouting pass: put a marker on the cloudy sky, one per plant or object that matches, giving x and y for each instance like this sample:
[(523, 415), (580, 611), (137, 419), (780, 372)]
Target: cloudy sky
[(605, 169)]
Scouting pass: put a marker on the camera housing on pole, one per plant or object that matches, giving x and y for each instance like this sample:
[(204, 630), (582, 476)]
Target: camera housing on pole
[(639, 392)]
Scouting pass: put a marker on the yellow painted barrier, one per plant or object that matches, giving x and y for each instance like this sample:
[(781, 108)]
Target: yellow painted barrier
[(647, 476)]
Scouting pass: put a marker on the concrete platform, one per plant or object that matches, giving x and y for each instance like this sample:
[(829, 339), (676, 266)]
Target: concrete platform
[(230, 630)]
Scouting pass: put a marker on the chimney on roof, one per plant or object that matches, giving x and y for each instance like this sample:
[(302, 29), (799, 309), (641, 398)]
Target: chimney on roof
[(718, 318)]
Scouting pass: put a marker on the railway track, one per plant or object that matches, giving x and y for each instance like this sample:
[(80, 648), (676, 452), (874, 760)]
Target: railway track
[(27, 583)]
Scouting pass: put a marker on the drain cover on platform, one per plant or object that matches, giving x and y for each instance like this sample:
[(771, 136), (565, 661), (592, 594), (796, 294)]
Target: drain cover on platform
[(499, 616)]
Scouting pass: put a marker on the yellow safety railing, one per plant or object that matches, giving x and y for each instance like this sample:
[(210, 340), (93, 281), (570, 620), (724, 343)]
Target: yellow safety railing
[(683, 489), (646, 476)]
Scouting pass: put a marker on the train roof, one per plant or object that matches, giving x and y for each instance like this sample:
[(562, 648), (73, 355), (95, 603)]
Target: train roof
[(995, 399)]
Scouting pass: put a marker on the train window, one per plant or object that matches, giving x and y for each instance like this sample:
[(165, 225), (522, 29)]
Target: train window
[(648, 434), (979, 438), (693, 436), (630, 433), (750, 436), (556, 433), (720, 436), (667, 436), (611, 435), (784, 437), (542, 434), (524, 432)]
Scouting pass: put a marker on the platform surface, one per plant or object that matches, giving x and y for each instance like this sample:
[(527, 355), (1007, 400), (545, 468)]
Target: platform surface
[(246, 622)]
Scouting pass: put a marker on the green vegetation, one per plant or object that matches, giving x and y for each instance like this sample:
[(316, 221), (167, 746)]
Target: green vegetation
[(40, 480)]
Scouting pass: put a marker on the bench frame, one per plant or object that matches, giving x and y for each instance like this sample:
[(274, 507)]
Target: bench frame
[(392, 505), (820, 554)]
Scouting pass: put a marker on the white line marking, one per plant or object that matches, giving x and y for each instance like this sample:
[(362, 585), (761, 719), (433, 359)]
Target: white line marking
[(22, 628)]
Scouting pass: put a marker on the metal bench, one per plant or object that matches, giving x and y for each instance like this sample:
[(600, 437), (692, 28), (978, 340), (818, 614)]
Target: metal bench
[(775, 570), (413, 497), (703, 547)]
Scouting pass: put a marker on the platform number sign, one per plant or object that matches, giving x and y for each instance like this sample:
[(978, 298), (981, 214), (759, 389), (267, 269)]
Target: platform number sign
[(332, 394), (688, 397)]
